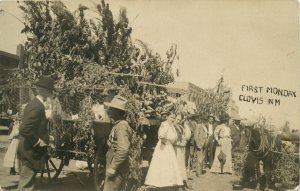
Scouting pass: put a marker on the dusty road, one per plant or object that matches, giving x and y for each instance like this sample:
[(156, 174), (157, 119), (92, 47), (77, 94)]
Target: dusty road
[(77, 180)]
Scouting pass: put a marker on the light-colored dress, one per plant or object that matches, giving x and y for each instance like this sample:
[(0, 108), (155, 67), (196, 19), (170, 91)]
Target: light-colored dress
[(163, 170), (10, 158), (179, 147), (222, 133)]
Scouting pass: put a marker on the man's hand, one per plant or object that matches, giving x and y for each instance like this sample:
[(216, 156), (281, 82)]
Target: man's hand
[(51, 138), (110, 173), (43, 144), (40, 143)]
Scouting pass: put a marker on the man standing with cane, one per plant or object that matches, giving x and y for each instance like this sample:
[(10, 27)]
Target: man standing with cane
[(34, 135)]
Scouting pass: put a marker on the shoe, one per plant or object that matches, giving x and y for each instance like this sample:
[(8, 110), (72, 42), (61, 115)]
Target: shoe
[(186, 186), (12, 171)]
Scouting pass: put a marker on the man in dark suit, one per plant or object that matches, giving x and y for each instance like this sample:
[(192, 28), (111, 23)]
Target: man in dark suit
[(211, 144), (235, 132), (117, 159), (34, 135)]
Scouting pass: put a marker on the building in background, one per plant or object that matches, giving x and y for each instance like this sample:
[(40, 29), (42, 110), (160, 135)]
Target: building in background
[(185, 89)]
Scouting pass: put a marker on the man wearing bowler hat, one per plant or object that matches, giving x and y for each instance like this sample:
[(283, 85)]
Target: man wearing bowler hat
[(118, 142), (34, 134)]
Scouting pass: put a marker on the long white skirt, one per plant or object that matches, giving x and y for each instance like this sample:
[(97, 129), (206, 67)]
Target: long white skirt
[(180, 155), (164, 170), (226, 148), (10, 158)]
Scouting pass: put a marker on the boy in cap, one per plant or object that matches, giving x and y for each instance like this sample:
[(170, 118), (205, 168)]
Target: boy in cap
[(118, 142), (34, 134)]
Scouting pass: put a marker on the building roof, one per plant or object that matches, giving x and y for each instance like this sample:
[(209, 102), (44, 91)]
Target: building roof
[(183, 87), (8, 62)]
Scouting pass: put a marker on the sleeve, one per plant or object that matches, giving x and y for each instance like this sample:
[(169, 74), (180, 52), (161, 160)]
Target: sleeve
[(31, 120), (123, 146), (216, 133), (15, 131), (163, 130), (198, 137), (188, 132)]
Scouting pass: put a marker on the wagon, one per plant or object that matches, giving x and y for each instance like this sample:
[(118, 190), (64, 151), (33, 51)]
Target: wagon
[(54, 166), (59, 157)]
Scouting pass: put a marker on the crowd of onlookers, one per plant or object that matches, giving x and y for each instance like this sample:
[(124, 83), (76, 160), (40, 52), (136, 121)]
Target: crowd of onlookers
[(191, 144)]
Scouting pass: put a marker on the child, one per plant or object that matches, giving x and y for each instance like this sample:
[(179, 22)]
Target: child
[(10, 158)]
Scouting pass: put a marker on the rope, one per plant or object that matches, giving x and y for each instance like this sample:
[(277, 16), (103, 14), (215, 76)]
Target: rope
[(151, 84)]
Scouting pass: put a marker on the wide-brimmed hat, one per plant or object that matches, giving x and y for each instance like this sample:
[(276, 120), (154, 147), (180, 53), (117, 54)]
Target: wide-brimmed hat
[(224, 117), (118, 102), (45, 82)]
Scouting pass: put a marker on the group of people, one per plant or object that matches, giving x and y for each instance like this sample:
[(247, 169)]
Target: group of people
[(185, 141), (180, 138), (167, 168)]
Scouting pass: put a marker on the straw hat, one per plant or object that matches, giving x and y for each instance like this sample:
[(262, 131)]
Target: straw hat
[(118, 102)]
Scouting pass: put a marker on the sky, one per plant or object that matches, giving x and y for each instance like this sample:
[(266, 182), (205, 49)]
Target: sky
[(249, 42)]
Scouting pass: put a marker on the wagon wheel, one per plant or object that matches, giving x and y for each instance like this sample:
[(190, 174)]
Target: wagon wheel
[(51, 170), (99, 169)]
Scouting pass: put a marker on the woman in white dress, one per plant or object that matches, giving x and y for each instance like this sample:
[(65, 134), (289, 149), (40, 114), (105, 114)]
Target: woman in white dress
[(183, 136), (163, 170), (10, 158), (222, 136)]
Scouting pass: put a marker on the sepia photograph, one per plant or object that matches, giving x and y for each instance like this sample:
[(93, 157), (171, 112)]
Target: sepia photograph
[(149, 95)]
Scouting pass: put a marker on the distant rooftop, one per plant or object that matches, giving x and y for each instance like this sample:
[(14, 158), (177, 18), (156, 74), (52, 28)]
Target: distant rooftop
[(8, 60), (183, 87)]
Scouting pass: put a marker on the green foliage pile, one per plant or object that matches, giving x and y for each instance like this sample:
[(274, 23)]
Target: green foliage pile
[(214, 100), (286, 170), (89, 58), (239, 161)]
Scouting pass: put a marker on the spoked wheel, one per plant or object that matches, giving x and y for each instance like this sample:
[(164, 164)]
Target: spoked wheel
[(99, 169), (51, 170)]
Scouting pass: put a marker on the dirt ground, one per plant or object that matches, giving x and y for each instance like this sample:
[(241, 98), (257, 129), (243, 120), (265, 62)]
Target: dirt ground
[(78, 180)]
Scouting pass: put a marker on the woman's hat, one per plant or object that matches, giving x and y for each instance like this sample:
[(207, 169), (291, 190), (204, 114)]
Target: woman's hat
[(45, 82), (118, 102)]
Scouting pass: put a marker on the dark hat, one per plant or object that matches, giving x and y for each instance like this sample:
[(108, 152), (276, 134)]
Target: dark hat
[(224, 117), (45, 82), (211, 115), (118, 102)]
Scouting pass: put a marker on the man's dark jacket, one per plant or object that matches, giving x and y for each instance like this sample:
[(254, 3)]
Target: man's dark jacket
[(34, 126)]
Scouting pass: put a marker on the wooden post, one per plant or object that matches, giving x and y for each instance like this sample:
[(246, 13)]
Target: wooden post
[(20, 53)]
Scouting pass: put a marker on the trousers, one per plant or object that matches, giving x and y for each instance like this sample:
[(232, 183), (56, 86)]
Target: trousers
[(114, 183), (27, 177), (200, 160)]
